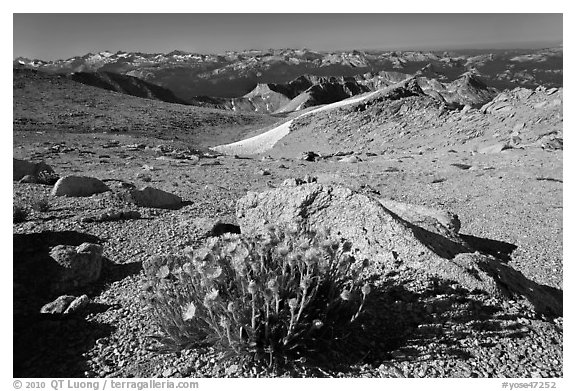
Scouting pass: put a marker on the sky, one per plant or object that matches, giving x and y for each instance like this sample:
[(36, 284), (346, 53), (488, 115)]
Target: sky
[(60, 36)]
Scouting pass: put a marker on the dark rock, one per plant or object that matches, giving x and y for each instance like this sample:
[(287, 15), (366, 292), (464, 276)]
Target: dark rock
[(214, 227), (80, 266), (22, 168), (154, 198), (461, 166), (209, 162), (309, 156), (553, 143)]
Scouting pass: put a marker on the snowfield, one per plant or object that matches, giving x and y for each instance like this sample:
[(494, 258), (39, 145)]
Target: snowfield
[(266, 141)]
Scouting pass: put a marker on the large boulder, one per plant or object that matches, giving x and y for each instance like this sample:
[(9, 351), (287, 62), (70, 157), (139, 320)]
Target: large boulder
[(79, 186), (22, 168), (79, 266), (154, 198), (389, 243)]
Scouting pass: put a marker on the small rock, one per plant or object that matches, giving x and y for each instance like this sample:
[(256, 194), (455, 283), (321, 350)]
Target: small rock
[(78, 186), (309, 156), (144, 177), (540, 105), (168, 372), (58, 306), (154, 198), (494, 148), (350, 159), (80, 265), (231, 370), (78, 304), (211, 162)]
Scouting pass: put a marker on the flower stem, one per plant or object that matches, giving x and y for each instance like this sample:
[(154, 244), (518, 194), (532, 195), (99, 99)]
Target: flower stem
[(253, 312)]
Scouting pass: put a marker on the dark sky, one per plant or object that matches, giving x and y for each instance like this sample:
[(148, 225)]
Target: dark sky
[(54, 36)]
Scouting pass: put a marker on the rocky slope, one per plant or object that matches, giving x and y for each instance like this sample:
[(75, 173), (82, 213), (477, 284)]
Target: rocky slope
[(53, 103), (405, 117)]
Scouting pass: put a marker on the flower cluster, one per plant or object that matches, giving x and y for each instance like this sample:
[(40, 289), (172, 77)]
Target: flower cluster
[(270, 297)]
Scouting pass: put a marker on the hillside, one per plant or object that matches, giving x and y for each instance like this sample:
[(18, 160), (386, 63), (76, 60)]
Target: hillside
[(51, 103), (409, 119), (126, 84)]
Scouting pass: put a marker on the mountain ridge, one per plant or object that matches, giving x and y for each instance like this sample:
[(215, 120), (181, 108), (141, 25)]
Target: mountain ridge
[(233, 74)]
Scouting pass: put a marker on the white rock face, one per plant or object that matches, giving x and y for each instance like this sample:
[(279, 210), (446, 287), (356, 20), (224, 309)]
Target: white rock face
[(79, 186)]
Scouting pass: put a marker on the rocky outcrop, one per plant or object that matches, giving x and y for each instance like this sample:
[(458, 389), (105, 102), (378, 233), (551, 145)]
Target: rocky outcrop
[(390, 243), (78, 186)]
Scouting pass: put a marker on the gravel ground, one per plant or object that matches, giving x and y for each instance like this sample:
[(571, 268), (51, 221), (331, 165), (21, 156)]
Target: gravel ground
[(429, 332)]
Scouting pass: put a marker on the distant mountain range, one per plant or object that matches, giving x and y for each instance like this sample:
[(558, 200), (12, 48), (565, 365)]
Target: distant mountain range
[(282, 80)]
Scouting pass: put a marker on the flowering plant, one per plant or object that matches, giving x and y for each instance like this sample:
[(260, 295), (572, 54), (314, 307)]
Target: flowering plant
[(270, 297)]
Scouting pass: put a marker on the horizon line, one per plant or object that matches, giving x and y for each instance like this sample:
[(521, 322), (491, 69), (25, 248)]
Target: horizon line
[(534, 45)]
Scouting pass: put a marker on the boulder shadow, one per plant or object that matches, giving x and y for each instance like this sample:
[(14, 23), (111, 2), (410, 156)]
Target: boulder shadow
[(52, 345), (497, 248), (398, 324)]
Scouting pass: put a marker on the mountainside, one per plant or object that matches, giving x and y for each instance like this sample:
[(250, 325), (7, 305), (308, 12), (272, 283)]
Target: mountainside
[(126, 85), (56, 103), (234, 74)]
